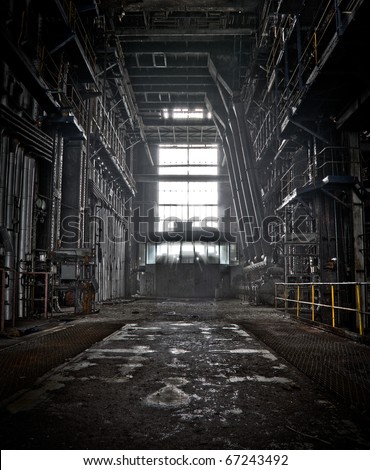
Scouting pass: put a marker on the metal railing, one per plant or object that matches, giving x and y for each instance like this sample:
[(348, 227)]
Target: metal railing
[(331, 160), (316, 45), (323, 299), (77, 26)]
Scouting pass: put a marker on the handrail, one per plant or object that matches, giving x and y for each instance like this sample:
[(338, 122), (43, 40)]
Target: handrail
[(77, 26), (112, 140), (311, 291), (290, 181)]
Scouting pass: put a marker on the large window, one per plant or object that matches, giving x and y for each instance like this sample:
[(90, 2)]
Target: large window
[(185, 252), (185, 199)]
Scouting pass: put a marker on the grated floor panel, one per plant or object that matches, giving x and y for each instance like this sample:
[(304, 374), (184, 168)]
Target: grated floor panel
[(338, 364), (25, 362)]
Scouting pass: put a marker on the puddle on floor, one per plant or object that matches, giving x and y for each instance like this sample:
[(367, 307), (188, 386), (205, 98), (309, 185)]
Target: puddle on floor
[(151, 328), (124, 337), (168, 396), (279, 367), (178, 351), (176, 364), (137, 359), (263, 379), (134, 350), (243, 333), (176, 381), (234, 411)]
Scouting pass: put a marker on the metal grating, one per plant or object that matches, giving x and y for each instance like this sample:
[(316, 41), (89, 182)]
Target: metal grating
[(338, 364), (23, 364)]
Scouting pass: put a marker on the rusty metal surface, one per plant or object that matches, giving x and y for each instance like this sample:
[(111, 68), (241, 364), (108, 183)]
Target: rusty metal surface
[(23, 363)]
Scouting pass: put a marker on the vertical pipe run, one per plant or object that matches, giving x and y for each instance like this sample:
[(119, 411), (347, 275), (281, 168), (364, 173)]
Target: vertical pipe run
[(2, 306), (9, 259), (23, 233)]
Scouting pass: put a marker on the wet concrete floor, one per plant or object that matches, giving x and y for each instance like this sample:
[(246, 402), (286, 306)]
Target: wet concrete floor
[(181, 375)]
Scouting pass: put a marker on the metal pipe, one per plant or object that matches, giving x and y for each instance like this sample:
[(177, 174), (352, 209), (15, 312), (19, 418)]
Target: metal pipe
[(23, 232), (26, 221), (30, 197), (3, 166), (35, 139), (2, 306), (9, 258)]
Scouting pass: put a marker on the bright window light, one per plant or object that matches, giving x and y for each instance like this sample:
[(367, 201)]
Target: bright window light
[(182, 200), (185, 113)]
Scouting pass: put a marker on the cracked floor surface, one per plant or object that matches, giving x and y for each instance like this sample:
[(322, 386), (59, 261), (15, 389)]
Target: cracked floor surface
[(183, 375)]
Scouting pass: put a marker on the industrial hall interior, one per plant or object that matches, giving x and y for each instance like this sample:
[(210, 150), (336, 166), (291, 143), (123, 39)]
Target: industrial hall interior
[(185, 224)]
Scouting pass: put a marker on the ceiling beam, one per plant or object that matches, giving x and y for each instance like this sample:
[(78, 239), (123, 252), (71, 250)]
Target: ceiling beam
[(191, 34), (186, 60), (188, 88), (164, 80), (189, 6), (169, 71), (150, 178), (151, 121), (156, 106), (173, 46)]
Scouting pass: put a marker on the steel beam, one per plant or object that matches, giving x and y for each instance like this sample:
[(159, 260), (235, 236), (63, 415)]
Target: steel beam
[(192, 34)]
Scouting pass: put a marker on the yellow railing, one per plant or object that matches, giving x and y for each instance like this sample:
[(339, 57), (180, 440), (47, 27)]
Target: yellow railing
[(296, 296)]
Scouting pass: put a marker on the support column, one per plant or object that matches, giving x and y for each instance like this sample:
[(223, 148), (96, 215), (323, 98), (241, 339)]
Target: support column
[(357, 217), (56, 190), (71, 223)]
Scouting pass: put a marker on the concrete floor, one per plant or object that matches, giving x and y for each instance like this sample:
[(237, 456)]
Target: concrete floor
[(189, 375)]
